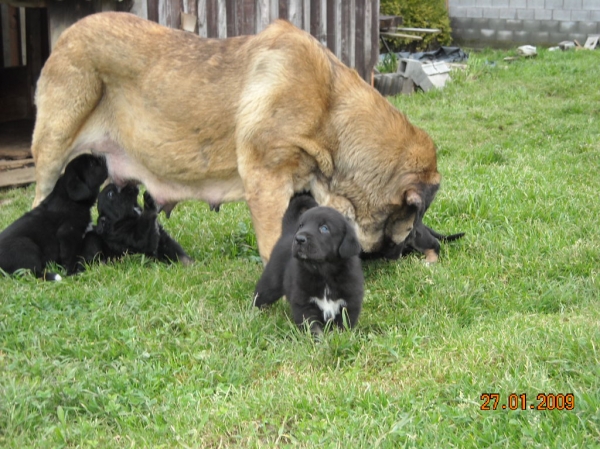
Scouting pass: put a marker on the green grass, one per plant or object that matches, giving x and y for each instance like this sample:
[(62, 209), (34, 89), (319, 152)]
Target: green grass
[(139, 354)]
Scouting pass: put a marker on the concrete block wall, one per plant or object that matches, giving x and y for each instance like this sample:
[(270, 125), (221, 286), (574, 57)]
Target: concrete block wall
[(508, 23)]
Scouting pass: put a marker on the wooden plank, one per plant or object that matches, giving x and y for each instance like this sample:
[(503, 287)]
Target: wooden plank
[(140, 9), (18, 163), (152, 10), (64, 14), (169, 13), (331, 25), (273, 10), (249, 20), (373, 11), (352, 38), (318, 20), (202, 17), (338, 28), (17, 177), (306, 15), (418, 30), (402, 35), (359, 52), (295, 12), (386, 21), (283, 9), (344, 32), (212, 17), (262, 15), (15, 152), (233, 25), (222, 20)]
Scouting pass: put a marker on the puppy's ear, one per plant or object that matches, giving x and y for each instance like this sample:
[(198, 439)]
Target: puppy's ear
[(350, 246), (77, 189)]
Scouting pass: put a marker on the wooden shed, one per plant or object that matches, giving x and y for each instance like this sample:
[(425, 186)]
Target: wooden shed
[(29, 29)]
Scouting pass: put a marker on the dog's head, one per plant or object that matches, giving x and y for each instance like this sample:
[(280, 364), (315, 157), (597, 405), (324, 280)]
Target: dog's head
[(385, 231), (299, 204), (324, 235), (116, 204), (83, 177)]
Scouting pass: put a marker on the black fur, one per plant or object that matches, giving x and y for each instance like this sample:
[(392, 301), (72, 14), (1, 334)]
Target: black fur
[(421, 239), (315, 257), (54, 230), (125, 228)]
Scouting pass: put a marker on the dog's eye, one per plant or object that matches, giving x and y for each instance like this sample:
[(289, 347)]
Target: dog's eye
[(110, 194), (324, 229)]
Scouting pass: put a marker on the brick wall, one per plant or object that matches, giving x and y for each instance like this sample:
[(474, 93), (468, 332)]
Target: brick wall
[(506, 23)]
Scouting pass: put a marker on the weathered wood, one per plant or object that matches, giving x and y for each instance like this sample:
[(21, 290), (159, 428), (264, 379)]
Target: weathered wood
[(15, 152), (318, 20), (202, 18), (283, 9), (386, 21), (402, 35), (249, 17), (152, 10), (17, 177), (348, 27), (295, 12), (222, 20), (212, 18), (419, 30), (262, 15), (14, 164), (63, 14)]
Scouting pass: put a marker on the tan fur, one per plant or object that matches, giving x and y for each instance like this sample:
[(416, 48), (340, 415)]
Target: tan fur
[(247, 118)]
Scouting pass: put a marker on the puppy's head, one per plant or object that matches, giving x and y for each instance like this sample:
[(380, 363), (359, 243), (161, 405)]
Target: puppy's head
[(83, 177), (299, 204), (324, 235), (115, 205)]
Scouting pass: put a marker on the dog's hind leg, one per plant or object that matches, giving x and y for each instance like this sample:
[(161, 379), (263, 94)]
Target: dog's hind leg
[(66, 95)]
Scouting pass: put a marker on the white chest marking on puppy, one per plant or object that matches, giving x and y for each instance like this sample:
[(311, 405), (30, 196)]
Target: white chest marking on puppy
[(330, 307)]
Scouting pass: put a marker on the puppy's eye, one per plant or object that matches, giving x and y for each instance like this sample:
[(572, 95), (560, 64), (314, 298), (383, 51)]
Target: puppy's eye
[(300, 225), (110, 194), (324, 229)]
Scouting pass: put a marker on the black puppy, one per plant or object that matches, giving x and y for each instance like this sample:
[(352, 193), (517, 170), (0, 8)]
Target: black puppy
[(421, 239), (54, 230), (315, 264), (125, 228)]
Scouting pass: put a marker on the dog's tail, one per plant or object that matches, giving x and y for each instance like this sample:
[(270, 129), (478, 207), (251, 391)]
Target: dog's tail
[(445, 238)]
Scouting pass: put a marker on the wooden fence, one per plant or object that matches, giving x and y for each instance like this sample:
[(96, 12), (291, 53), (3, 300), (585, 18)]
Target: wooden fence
[(349, 28)]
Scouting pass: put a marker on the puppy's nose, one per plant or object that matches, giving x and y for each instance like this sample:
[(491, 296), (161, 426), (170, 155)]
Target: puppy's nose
[(300, 239)]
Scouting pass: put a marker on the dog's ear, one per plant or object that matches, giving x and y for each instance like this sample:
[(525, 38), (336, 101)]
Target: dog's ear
[(350, 246), (77, 189)]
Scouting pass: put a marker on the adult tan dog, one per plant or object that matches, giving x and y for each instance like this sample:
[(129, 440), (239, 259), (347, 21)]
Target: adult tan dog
[(253, 117)]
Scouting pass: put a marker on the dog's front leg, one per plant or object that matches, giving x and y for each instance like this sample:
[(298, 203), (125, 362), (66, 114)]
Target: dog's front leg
[(268, 195), (70, 242), (146, 232)]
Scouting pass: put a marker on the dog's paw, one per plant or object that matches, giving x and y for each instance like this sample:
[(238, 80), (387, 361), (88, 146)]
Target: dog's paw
[(149, 203)]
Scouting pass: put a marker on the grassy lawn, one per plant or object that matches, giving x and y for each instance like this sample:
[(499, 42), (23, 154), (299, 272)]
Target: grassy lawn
[(139, 354)]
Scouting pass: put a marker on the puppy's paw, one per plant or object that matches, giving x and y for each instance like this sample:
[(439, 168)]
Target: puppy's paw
[(149, 203)]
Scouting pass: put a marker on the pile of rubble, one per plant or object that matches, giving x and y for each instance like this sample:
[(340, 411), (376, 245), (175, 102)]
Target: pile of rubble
[(424, 70)]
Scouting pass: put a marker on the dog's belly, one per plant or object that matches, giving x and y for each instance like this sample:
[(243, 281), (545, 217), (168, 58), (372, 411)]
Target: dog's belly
[(124, 168), (330, 307)]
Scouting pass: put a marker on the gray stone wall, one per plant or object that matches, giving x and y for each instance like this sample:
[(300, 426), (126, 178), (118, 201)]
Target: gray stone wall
[(506, 23)]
